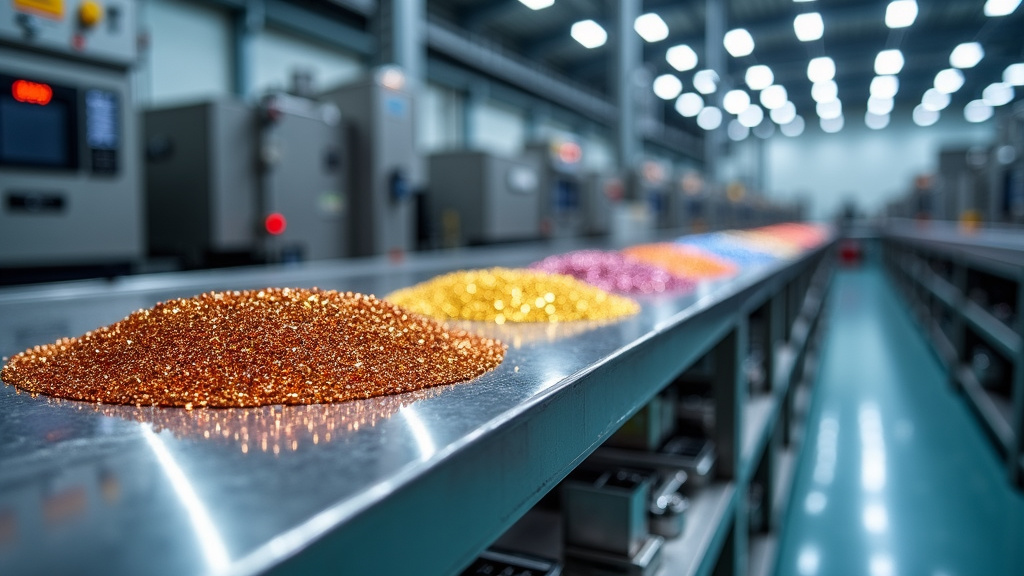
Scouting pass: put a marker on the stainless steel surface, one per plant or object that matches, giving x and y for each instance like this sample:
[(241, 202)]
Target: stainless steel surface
[(50, 26), (164, 491)]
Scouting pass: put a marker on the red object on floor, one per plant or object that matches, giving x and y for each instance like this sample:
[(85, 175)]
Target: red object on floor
[(850, 253)]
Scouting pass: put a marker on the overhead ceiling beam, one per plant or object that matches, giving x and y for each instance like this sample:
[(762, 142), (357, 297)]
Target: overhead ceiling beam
[(482, 13)]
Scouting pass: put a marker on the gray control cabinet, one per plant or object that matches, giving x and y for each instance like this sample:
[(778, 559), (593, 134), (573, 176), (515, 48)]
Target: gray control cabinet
[(69, 168), (561, 187), (481, 198), (379, 126), (602, 192), (216, 170), (201, 180)]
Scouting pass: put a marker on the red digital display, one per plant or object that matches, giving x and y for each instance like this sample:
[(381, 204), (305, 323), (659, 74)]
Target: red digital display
[(31, 92), (275, 223)]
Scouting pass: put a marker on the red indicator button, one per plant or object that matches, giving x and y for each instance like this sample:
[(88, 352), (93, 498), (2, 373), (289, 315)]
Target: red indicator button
[(275, 223), (31, 92)]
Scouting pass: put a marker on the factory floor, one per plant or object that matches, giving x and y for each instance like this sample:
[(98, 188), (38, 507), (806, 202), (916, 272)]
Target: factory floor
[(897, 477)]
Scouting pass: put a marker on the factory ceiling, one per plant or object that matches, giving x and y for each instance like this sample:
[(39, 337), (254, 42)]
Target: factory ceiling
[(851, 32)]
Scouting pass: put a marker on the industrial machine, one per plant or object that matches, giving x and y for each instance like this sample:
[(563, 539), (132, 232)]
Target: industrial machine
[(603, 192), (232, 183), (379, 119), (69, 175), (481, 198), (689, 202), (1006, 169), (650, 183), (561, 186)]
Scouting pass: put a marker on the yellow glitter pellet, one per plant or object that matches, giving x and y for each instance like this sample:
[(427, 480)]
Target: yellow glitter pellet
[(253, 348), (512, 295)]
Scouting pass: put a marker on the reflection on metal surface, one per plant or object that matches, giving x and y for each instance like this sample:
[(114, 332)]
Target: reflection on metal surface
[(872, 449), (876, 518), (206, 531), (273, 429), (815, 503), (520, 334), (808, 561), (424, 440), (59, 507), (825, 462), (881, 565)]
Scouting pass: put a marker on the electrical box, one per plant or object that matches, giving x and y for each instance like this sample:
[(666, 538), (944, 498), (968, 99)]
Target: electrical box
[(232, 183), (379, 121), (561, 186), (481, 198)]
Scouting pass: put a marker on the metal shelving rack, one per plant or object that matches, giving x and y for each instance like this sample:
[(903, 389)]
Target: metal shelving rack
[(415, 483), (950, 280)]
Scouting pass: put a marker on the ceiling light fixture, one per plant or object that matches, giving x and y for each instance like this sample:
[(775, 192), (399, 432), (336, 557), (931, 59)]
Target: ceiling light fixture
[(681, 57), (689, 104), (821, 69), (709, 118), (997, 94), (738, 42), (705, 81), (783, 114), (977, 111), (1000, 7), (876, 121), (667, 87), (752, 116), (924, 117), (737, 132), (759, 77), (832, 125), (793, 128), (966, 55), (889, 62), (900, 13), (935, 100), (829, 110), (808, 26), (880, 106), (589, 33), (537, 4), (651, 27), (1014, 74), (949, 80), (735, 101), (884, 86), (824, 91), (774, 97)]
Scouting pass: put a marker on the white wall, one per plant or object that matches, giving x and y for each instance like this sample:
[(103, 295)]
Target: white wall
[(499, 128), (189, 56), (189, 52), (276, 54), (439, 119), (868, 166)]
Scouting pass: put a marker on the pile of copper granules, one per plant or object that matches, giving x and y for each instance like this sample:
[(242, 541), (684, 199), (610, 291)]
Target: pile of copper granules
[(253, 348), (510, 295)]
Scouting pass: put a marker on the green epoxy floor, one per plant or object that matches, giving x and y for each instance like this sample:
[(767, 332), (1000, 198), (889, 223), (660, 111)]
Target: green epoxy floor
[(896, 477)]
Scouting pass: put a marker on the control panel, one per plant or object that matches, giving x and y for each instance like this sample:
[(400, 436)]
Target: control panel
[(100, 31)]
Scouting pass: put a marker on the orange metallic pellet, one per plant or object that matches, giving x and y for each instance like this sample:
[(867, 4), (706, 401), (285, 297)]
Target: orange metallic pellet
[(680, 260), (253, 348)]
